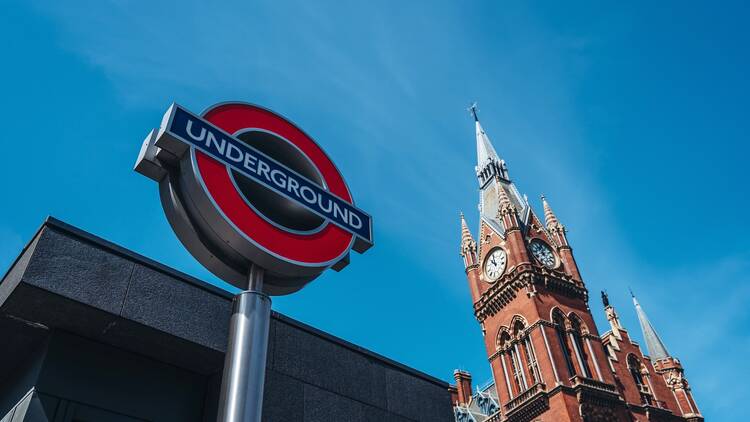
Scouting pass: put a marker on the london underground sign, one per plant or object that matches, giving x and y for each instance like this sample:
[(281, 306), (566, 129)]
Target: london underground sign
[(256, 201), (243, 186)]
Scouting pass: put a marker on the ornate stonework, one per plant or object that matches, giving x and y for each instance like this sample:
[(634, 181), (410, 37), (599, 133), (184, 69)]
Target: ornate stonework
[(548, 361)]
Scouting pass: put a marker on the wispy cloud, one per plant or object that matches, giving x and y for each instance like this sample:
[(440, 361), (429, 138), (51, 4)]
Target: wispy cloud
[(386, 87)]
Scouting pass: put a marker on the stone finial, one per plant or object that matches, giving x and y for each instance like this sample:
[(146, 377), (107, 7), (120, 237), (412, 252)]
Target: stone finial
[(502, 197), (549, 217), (466, 237)]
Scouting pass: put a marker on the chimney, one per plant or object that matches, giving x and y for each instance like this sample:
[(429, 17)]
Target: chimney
[(463, 386), (454, 394)]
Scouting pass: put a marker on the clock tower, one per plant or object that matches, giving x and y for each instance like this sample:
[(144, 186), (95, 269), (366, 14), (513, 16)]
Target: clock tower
[(548, 361)]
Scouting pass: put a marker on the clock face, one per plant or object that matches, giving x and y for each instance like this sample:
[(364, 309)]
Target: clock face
[(543, 253), (494, 265)]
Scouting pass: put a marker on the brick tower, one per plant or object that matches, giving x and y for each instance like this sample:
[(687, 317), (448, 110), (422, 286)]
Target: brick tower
[(548, 361)]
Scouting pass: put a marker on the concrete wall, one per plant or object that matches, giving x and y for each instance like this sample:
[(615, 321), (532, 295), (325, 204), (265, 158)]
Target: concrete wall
[(124, 335)]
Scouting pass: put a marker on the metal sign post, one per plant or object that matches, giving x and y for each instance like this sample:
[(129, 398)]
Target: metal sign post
[(243, 187), (245, 361)]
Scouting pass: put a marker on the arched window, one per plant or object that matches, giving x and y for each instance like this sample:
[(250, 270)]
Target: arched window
[(636, 371), (558, 319), (516, 361), (504, 345), (575, 323), (528, 351)]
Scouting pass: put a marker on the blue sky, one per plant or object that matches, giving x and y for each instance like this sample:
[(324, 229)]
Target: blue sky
[(630, 117)]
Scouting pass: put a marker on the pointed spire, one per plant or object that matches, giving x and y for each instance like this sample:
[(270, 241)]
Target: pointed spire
[(503, 198), (473, 111), (488, 162), (656, 348), (465, 233), (485, 150), (468, 246), (549, 216)]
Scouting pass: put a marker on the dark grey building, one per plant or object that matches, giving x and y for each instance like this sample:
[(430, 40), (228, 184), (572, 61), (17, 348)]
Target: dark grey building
[(92, 332)]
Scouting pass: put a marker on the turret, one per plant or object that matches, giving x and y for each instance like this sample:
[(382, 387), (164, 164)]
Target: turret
[(559, 234), (508, 215), (494, 181), (468, 246), (656, 348), (489, 163), (469, 255), (667, 366)]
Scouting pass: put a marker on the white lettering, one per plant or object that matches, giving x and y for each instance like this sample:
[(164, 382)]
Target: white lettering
[(220, 146), (311, 198), (263, 169), (358, 223), (320, 204), (232, 148), (279, 179), (190, 132), (250, 162), (342, 213), (293, 186)]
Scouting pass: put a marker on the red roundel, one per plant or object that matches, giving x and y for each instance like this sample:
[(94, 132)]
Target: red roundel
[(315, 248)]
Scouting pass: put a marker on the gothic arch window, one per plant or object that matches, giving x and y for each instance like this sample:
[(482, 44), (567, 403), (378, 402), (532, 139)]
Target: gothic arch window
[(558, 319), (578, 330), (518, 319), (636, 369), (516, 360), (504, 347), (529, 354), (503, 339)]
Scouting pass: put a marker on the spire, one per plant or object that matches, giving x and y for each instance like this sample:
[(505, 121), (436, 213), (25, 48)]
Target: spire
[(465, 233), (488, 162), (473, 111), (656, 348), (468, 245), (485, 150), (549, 216), (503, 198)]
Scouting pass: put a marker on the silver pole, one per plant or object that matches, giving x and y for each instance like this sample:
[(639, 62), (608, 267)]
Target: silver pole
[(241, 397)]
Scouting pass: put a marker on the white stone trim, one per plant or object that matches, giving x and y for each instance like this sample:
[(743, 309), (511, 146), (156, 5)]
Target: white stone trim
[(520, 366), (596, 364), (549, 353), (578, 354), (505, 372)]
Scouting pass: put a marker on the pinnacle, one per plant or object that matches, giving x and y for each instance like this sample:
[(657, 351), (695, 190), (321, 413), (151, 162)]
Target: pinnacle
[(503, 197), (654, 344), (549, 216), (465, 233)]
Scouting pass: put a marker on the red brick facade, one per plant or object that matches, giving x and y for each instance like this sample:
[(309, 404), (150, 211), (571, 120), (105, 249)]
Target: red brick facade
[(549, 362)]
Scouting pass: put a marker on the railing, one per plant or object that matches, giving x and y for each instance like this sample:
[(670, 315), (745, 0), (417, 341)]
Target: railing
[(495, 417), (525, 396), (592, 383)]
